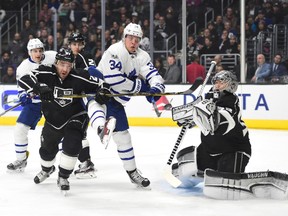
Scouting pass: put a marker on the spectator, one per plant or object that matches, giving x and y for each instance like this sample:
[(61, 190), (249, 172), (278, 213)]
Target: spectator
[(44, 36), (158, 63), (135, 18), (63, 10), (263, 70), (209, 47), (233, 45), (60, 41), (201, 39), (192, 48), (45, 14), (97, 55), (278, 69), (27, 30), (146, 28), (219, 25), (173, 73), (230, 17), (195, 70), (16, 49), (53, 5), (224, 42), (93, 19), (161, 32), (5, 61), (9, 77), (50, 43), (75, 13)]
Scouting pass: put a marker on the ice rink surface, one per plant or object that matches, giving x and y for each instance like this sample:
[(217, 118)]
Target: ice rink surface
[(111, 193)]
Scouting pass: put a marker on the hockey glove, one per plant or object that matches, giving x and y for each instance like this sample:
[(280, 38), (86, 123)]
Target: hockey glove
[(155, 89), (101, 95), (45, 93), (24, 98)]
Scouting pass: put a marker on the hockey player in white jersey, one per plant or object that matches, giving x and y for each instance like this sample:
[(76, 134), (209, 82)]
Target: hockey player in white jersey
[(128, 69), (31, 112)]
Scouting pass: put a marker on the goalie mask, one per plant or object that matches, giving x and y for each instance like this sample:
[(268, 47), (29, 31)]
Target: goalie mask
[(225, 80)]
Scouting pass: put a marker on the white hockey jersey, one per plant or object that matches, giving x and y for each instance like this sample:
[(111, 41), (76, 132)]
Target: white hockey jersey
[(28, 65), (119, 68)]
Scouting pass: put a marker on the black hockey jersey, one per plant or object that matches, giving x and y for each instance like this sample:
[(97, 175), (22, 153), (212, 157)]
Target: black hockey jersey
[(84, 60), (231, 134), (60, 110)]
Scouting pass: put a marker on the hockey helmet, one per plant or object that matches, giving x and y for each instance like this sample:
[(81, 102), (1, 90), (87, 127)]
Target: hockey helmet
[(228, 77), (34, 43), (133, 29), (65, 54), (77, 37)]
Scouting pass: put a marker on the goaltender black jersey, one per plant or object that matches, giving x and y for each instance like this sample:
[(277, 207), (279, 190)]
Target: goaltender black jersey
[(232, 133), (59, 111), (84, 60)]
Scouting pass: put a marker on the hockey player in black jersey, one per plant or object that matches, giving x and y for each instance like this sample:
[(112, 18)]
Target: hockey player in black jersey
[(225, 144), (82, 59), (65, 118)]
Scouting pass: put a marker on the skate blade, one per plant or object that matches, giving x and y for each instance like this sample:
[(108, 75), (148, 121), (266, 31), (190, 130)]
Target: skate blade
[(21, 170), (86, 175), (64, 192), (148, 188), (110, 126)]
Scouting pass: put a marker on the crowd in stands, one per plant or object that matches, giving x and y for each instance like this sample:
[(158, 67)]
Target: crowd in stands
[(220, 36)]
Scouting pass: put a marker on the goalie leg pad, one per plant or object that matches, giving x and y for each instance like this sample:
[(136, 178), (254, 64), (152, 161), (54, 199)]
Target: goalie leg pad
[(231, 186)]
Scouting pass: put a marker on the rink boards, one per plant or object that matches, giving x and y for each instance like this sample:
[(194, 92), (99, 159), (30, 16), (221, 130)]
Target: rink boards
[(263, 106)]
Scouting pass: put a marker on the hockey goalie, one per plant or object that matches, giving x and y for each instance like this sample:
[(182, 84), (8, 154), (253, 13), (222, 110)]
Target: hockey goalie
[(225, 148)]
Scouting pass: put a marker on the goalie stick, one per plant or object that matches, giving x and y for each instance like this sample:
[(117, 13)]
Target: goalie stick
[(170, 178), (196, 84), (9, 109)]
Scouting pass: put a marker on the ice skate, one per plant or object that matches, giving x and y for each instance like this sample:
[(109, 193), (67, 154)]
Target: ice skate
[(42, 175), (63, 184), (86, 170), (105, 132), (18, 165), (137, 179)]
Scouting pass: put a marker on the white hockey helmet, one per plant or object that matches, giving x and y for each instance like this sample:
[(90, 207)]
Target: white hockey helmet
[(226, 77), (34, 43), (133, 29)]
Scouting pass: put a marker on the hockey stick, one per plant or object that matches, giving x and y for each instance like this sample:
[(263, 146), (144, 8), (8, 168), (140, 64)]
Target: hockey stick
[(170, 178), (9, 109), (196, 84)]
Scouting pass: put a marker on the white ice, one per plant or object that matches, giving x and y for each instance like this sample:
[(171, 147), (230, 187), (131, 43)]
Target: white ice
[(112, 193)]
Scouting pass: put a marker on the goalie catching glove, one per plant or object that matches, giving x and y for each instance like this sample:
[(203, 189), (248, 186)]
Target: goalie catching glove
[(206, 117)]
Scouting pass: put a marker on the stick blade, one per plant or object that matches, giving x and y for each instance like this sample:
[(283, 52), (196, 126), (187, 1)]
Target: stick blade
[(196, 84), (170, 178)]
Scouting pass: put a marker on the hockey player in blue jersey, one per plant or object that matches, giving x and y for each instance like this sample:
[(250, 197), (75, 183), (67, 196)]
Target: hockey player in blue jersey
[(128, 68), (31, 111)]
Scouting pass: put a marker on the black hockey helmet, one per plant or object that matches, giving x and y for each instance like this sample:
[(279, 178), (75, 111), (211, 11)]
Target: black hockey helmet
[(65, 54), (77, 37)]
